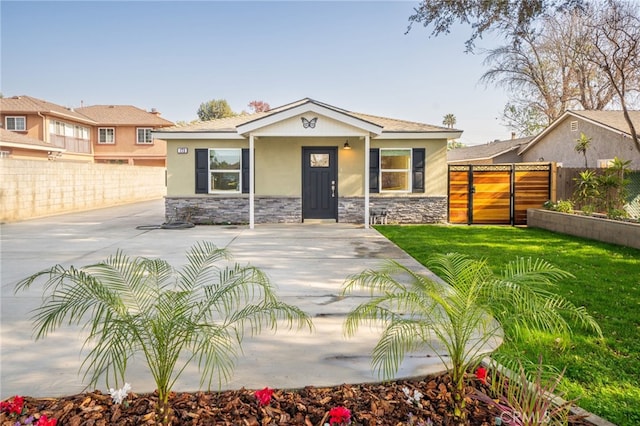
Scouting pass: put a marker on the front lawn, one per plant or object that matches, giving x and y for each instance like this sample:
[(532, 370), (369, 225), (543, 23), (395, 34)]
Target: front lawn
[(605, 377)]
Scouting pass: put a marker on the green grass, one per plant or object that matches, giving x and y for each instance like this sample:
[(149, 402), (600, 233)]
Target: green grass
[(604, 376)]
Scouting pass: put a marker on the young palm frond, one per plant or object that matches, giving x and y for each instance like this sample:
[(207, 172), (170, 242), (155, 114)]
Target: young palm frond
[(467, 313), (141, 305)]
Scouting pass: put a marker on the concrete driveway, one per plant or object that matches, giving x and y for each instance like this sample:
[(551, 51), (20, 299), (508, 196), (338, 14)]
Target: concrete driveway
[(307, 262)]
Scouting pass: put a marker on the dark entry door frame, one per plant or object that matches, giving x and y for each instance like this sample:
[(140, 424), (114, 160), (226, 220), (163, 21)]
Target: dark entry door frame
[(320, 183)]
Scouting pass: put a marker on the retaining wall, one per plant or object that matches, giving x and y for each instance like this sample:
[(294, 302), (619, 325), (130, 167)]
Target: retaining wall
[(608, 231), (30, 188)]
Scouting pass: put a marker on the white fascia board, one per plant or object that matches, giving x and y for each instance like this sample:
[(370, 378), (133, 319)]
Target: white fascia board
[(419, 135), (32, 147), (196, 135), (309, 107)]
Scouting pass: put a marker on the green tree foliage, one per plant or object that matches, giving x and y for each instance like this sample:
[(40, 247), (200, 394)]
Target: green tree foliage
[(466, 314), (173, 317), (484, 16), (449, 120), (454, 144), (215, 108), (582, 145)]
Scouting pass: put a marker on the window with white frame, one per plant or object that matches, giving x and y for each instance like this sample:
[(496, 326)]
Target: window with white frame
[(144, 135), (225, 170), (395, 170), (106, 135), (15, 123)]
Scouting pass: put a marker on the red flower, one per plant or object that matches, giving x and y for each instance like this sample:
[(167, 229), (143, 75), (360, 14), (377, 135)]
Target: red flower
[(339, 415), (14, 406), (481, 374), (264, 395), (44, 421)]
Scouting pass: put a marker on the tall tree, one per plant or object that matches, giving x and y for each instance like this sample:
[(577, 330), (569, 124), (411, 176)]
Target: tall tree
[(215, 108), (259, 106), (616, 51), (449, 120), (484, 16)]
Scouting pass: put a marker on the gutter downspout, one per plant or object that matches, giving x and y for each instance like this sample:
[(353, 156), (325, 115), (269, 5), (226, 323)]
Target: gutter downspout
[(45, 131)]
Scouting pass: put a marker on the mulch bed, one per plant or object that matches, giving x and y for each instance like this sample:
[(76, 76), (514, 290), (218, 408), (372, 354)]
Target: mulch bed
[(370, 404)]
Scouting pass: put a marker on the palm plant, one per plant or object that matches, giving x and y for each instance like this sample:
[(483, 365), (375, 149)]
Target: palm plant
[(582, 145), (133, 305), (467, 316)]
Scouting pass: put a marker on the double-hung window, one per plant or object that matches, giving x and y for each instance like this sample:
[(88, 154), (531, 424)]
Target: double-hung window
[(395, 170), (225, 170), (144, 136), (106, 135), (15, 123)]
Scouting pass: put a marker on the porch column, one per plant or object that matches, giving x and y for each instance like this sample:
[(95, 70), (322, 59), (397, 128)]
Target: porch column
[(251, 182), (367, 143)]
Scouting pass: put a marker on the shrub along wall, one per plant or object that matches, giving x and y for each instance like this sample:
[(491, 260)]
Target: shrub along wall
[(30, 189)]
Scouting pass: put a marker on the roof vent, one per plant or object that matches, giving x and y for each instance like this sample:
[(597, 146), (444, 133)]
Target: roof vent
[(574, 126)]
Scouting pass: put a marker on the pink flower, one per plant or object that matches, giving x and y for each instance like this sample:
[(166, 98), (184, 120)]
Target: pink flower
[(44, 421), (264, 396), (481, 374), (14, 406), (339, 415)]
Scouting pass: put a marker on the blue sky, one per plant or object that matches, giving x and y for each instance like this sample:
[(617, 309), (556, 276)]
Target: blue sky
[(174, 55)]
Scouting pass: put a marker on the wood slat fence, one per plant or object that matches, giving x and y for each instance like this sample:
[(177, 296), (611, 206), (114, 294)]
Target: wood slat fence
[(497, 194)]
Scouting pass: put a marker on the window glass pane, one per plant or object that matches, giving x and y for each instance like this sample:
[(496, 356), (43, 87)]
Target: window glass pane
[(319, 160), (224, 159), (395, 181), (225, 181), (395, 159)]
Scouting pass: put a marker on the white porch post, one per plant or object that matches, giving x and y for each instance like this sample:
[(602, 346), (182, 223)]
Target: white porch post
[(367, 142), (251, 182)]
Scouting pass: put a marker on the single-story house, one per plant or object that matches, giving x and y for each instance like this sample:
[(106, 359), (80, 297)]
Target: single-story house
[(307, 161), (496, 152), (609, 133)]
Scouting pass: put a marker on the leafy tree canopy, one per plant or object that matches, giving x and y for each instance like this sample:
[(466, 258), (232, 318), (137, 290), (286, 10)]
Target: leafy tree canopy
[(483, 16), (215, 108), (259, 106)]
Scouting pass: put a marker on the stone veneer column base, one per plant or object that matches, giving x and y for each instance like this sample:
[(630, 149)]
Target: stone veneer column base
[(215, 210)]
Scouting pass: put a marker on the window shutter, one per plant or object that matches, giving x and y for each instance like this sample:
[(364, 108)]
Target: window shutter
[(374, 170), (418, 169), (202, 171), (244, 164)]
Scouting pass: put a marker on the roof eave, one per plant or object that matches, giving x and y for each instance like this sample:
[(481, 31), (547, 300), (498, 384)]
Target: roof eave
[(420, 135)]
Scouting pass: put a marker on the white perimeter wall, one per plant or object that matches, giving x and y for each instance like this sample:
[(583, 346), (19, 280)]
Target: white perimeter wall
[(30, 189)]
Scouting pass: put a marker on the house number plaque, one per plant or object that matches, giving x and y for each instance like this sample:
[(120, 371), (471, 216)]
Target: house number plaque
[(183, 150)]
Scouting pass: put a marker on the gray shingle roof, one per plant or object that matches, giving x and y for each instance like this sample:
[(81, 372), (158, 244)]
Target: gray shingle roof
[(7, 136), (486, 151), (229, 124), (28, 104), (613, 119)]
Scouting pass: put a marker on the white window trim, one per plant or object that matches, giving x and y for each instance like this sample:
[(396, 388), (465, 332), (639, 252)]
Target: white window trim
[(409, 172), (15, 117), (144, 142), (211, 171), (114, 135)]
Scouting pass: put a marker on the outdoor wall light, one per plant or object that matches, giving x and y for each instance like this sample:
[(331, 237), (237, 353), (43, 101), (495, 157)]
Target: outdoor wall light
[(346, 145)]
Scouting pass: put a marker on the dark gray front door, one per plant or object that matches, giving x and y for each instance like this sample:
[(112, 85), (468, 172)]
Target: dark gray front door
[(319, 183)]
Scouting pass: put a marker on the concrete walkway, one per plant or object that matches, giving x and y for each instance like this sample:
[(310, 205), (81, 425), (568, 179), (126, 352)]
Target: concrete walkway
[(308, 263)]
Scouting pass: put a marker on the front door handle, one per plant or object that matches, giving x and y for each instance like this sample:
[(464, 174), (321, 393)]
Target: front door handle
[(333, 189)]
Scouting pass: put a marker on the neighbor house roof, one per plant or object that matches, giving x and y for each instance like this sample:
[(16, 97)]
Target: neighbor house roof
[(612, 120), (123, 115), (486, 151), (28, 104), (384, 124), (17, 140)]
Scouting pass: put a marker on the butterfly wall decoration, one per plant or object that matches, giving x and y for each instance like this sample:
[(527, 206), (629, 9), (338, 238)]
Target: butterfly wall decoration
[(309, 124)]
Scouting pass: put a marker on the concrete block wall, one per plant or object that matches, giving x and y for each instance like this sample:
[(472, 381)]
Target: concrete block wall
[(605, 230), (31, 188)]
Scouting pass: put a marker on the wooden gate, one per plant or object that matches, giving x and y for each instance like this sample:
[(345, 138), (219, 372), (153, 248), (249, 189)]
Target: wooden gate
[(497, 194)]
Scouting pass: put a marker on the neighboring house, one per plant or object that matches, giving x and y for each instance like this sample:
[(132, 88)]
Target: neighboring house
[(497, 152), (55, 125), (119, 134), (609, 135), (124, 135), (307, 161), (20, 146)]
